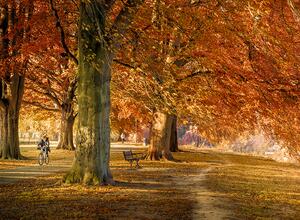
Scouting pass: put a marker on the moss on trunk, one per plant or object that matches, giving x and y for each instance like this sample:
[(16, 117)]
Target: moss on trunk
[(91, 163)]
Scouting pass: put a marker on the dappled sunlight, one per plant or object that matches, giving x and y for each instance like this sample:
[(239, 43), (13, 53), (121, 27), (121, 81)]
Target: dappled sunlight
[(159, 109), (206, 182)]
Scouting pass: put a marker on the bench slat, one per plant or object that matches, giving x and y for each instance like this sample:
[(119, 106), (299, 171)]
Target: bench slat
[(129, 156)]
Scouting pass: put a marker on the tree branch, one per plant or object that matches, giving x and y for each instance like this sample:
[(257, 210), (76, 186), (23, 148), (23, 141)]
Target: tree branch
[(62, 33), (71, 90), (108, 4), (129, 66), (123, 64), (45, 92), (123, 20), (39, 105), (47, 73), (194, 74)]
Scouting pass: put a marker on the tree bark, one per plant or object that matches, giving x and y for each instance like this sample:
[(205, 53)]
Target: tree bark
[(4, 147), (66, 130), (10, 110), (12, 77), (161, 137), (91, 163), (174, 138)]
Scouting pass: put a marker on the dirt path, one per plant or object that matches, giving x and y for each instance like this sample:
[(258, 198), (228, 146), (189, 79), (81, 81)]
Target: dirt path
[(208, 203)]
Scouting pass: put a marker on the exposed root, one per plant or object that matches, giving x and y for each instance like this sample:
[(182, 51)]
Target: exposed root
[(158, 156), (72, 177), (87, 178), (153, 155)]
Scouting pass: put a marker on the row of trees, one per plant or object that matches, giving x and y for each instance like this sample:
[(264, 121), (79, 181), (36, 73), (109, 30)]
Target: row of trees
[(228, 67)]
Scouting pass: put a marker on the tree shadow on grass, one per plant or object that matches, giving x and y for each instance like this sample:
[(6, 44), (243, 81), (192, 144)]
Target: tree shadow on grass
[(140, 185)]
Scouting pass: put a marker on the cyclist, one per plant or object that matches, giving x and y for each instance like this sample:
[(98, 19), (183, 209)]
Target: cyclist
[(47, 144), (44, 143)]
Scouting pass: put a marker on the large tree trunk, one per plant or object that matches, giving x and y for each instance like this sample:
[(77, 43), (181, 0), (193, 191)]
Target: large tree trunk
[(91, 163), (10, 110), (12, 77), (4, 147), (160, 137), (66, 131), (174, 139)]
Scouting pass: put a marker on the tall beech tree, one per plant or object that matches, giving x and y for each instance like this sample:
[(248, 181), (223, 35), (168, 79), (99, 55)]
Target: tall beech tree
[(162, 68), (66, 104), (232, 65), (96, 46), (52, 80), (14, 33), (163, 119)]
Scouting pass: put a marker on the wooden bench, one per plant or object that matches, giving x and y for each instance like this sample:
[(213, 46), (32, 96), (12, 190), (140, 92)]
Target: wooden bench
[(130, 157)]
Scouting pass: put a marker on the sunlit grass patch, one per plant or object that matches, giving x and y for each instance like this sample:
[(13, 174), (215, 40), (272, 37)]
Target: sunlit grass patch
[(249, 187), (258, 187)]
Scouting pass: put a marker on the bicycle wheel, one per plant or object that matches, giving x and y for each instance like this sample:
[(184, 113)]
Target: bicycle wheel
[(46, 159), (41, 159)]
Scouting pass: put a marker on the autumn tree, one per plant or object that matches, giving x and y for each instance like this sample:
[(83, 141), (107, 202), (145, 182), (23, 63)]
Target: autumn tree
[(14, 34), (227, 69), (54, 90), (167, 61), (52, 80), (257, 79), (97, 43)]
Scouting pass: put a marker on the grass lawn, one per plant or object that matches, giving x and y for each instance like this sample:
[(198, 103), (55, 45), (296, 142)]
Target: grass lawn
[(249, 187), (257, 188)]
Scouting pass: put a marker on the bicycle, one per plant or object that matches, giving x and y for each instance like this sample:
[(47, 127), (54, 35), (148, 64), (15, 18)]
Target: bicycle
[(43, 156)]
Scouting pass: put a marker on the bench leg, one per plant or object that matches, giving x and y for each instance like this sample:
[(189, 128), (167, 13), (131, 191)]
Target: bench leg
[(137, 164)]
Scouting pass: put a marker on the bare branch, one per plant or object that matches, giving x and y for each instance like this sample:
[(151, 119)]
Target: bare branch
[(39, 105), (194, 74), (47, 73), (62, 33), (45, 91), (124, 64)]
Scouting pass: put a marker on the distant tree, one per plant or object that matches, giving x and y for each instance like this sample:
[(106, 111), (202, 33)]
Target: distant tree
[(52, 80), (14, 35)]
